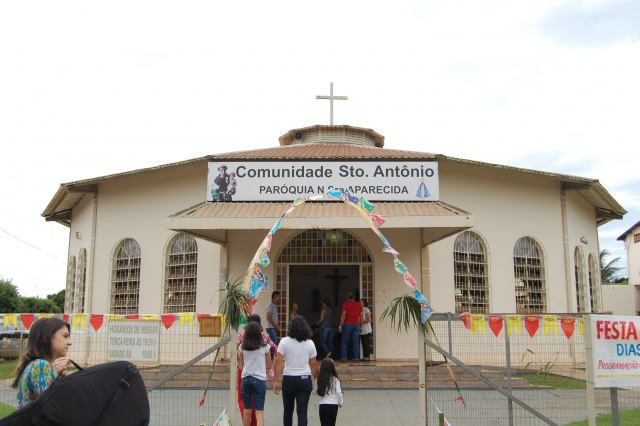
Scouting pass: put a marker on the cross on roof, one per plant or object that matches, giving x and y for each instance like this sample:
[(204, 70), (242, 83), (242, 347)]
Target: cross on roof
[(331, 98)]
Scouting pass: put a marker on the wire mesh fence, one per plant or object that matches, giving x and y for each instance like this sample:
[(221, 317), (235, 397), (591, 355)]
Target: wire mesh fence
[(539, 359), (158, 345)]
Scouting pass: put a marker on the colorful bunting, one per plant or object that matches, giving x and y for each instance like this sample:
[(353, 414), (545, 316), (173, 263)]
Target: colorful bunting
[(65, 317), (10, 319), (168, 320), (132, 316), (550, 324), (420, 297), (96, 321), (349, 198), (334, 194), (425, 312), (531, 323), (377, 220), (366, 205), (466, 320), (495, 324), (514, 323), (223, 420), (477, 323), (264, 259), (185, 317), (568, 325), (27, 320), (410, 281), (79, 320), (299, 201), (388, 249), (400, 268), (581, 326), (149, 317)]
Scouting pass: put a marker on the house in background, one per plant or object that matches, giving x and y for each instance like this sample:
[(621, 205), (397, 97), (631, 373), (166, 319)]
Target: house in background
[(623, 299)]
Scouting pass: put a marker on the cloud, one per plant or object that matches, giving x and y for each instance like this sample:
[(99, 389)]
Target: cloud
[(577, 23)]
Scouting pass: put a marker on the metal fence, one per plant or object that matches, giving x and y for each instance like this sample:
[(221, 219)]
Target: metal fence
[(538, 360), (176, 400)]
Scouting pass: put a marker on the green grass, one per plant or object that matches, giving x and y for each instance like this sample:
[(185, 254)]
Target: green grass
[(7, 367), (627, 418), (6, 409), (551, 380)]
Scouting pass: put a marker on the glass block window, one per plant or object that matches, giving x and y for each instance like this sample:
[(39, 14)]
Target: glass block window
[(69, 292), (581, 278), (124, 297), (594, 283), (181, 270), (282, 281), (471, 274), (530, 281), (81, 280), (366, 280), (324, 246)]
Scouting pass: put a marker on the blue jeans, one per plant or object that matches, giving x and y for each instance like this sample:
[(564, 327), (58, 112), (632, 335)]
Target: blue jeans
[(326, 338), (273, 335), (351, 331), (296, 390), (253, 387)]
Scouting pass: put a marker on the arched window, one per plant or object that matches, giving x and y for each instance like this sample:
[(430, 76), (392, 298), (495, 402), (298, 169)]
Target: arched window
[(594, 283), (580, 275), (71, 285), (81, 279), (529, 271), (471, 273), (125, 278), (181, 271)]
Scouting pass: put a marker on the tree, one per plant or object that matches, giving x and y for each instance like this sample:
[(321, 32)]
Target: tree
[(58, 299), (609, 270), (10, 301), (35, 305)]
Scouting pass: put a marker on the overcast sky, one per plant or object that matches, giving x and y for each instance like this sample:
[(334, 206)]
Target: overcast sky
[(89, 89)]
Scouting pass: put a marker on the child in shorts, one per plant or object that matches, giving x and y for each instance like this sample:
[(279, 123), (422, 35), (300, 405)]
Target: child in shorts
[(254, 360)]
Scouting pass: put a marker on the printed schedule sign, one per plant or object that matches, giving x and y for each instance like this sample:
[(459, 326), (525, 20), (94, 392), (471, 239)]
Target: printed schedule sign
[(136, 341), (288, 180), (616, 351)]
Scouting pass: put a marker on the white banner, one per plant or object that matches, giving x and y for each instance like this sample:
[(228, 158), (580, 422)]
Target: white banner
[(616, 351), (136, 341), (288, 180)]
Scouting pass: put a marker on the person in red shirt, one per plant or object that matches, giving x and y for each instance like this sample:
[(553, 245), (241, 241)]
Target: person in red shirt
[(350, 326)]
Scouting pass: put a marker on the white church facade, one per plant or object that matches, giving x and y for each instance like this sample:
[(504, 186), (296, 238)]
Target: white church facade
[(483, 238)]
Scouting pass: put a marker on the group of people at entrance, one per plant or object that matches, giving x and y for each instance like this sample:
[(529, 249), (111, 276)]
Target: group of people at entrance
[(262, 355)]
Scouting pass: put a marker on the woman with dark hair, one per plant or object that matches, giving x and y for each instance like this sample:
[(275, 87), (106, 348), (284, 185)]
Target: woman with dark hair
[(274, 351), (365, 329), (254, 359), (327, 325), (298, 355), (45, 359)]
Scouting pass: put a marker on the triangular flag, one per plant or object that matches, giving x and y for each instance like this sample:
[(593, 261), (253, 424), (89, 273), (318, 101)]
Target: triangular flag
[(168, 320), (11, 319), (114, 317), (477, 323), (410, 281), (581, 326), (27, 320), (466, 320), (299, 201), (550, 324), (420, 297), (568, 325), (514, 323), (223, 420), (149, 317), (349, 198), (202, 315), (531, 323), (388, 249), (267, 242), (65, 317), (132, 316), (334, 194), (49, 316), (96, 321), (264, 259), (185, 317), (79, 320), (495, 324)]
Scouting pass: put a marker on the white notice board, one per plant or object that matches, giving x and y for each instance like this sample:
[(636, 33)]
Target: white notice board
[(136, 341), (616, 351)]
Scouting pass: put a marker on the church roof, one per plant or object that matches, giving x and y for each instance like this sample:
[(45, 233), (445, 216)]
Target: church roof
[(628, 231), (335, 147)]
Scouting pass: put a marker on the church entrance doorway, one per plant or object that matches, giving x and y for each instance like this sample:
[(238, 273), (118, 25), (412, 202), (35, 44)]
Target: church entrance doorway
[(323, 264)]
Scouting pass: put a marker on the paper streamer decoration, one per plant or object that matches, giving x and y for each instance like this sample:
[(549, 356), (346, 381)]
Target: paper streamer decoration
[(253, 280), (550, 324), (223, 420)]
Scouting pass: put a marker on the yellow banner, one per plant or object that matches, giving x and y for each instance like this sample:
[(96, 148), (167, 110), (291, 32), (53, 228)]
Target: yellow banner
[(79, 320), (477, 323), (514, 323), (185, 317), (550, 323)]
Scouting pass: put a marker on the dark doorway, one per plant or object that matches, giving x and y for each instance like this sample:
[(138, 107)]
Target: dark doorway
[(310, 284)]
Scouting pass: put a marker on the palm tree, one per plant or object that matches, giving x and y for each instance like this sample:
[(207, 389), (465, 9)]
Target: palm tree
[(609, 270)]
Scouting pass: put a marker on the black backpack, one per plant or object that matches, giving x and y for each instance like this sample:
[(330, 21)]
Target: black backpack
[(102, 395)]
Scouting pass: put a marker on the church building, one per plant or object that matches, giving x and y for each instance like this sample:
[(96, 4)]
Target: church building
[(477, 237)]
